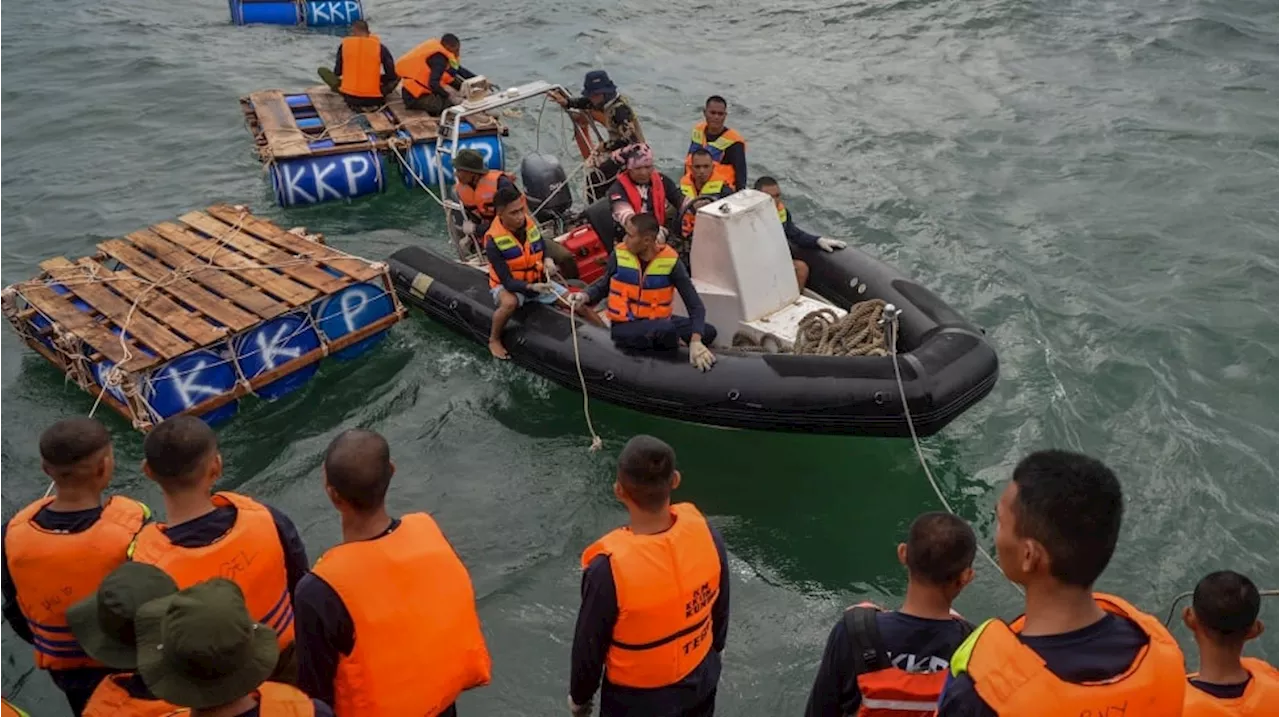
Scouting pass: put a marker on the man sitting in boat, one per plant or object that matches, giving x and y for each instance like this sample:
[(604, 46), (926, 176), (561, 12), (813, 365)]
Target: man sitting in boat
[(699, 190), (518, 270), (640, 281), (603, 105), (728, 149), (641, 189), (365, 72), (795, 234), (432, 75)]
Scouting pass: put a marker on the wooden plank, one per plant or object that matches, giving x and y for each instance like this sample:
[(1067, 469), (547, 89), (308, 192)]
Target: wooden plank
[(188, 292), (284, 139), (217, 280), (340, 122), (58, 308), (266, 253), (380, 123), (420, 125), (221, 254), (154, 302), (357, 269), (123, 314)]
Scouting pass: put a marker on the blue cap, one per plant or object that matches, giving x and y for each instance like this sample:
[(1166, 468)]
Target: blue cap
[(598, 81)]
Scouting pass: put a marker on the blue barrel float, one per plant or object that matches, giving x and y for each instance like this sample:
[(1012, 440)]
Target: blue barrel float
[(421, 157), (350, 310), (190, 380), (270, 345), (312, 13)]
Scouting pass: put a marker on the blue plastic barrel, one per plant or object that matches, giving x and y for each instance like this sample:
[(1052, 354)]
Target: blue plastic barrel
[(189, 380), (275, 12), (352, 309), (320, 179), (421, 158), (328, 13), (274, 344)]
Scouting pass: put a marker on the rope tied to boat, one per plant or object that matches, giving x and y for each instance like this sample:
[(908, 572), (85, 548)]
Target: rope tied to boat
[(858, 333)]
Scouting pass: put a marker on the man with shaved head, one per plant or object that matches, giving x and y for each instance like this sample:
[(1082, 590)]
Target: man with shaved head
[(387, 620)]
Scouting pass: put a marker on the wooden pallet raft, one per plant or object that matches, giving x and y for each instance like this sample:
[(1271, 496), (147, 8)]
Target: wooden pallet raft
[(187, 317)]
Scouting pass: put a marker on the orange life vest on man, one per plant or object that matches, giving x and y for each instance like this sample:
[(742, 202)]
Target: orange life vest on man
[(250, 554), (361, 67), (111, 699), (418, 640), (1261, 697), (479, 199), (413, 69), (657, 195), (8, 709), (711, 189), (275, 699), (637, 291), (53, 570), (524, 259), (666, 585), (886, 689), (1013, 680), (723, 171)]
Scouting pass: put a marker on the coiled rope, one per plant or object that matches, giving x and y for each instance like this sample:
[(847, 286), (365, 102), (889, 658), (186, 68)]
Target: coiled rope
[(858, 333)]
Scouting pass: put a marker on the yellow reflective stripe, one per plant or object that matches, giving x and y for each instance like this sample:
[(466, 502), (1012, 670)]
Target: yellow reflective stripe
[(687, 190), (627, 259), (661, 265), (712, 187), (505, 241), (725, 142), (698, 137), (133, 545), (532, 234), (146, 511), (960, 659)]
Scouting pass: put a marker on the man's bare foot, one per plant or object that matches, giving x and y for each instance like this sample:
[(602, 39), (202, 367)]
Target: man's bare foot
[(498, 350)]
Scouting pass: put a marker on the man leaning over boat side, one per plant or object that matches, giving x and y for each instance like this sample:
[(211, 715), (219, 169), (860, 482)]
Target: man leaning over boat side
[(604, 106), (364, 72), (641, 281), (431, 74), (796, 236)]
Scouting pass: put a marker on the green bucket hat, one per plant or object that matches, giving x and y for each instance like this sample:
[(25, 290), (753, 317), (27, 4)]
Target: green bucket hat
[(200, 649), (103, 622), (469, 160)]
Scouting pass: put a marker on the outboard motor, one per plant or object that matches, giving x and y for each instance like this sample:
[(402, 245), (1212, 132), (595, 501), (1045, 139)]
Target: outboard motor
[(541, 174)]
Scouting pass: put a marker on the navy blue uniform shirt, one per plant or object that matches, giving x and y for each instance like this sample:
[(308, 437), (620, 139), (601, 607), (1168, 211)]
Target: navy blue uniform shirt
[(594, 633), (798, 236), (1222, 692), (914, 644), (438, 64), (1098, 652)]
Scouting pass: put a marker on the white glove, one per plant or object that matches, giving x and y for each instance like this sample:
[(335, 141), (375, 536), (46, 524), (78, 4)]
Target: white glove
[(826, 244), (580, 710), (662, 235), (550, 267), (468, 228), (576, 299), (542, 287), (700, 356)]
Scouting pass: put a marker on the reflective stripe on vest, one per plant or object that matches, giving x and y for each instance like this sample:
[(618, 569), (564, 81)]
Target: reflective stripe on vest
[(869, 703), (666, 586), (479, 199), (782, 212), (729, 137), (1260, 697), (361, 67), (250, 554), (657, 203), (524, 259), (432, 621), (636, 292), (53, 570), (275, 700), (413, 69), (8, 709), (689, 215), (111, 699), (1013, 680)]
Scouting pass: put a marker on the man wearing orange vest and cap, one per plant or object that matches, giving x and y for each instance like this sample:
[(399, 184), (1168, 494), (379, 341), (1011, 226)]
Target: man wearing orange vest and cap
[(57, 550), (224, 534), (893, 663), (1075, 652), (727, 147), (387, 621), (104, 625), (655, 600), (364, 72), (1224, 616), (431, 74)]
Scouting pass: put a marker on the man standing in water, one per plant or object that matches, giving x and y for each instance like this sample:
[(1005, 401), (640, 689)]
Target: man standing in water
[(1074, 652), (655, 600)]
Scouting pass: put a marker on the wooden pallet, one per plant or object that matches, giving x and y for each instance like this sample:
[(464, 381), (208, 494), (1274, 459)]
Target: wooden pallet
[(277, 134), (176, 287)]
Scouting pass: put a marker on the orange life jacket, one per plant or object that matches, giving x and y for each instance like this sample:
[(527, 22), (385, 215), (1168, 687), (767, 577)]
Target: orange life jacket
[(111, 699), (479, 199), (53, 570), (415, 72), (666, 585), (641, 292), (250, 554), (8, 709), (361, 67), (523, 259), (1013, 680), (1261, 697), (275, 699), (431, 621), (887, 690), (723, 171), (688, 215), (783, 214), (657, 195)]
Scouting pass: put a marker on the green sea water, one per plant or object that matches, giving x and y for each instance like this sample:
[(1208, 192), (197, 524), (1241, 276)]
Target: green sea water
[(1094, 183)]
